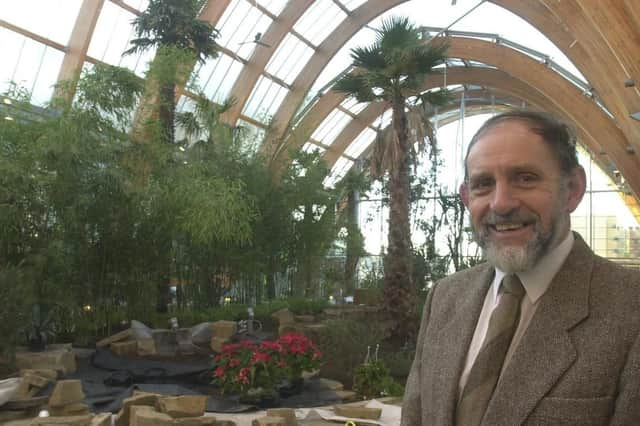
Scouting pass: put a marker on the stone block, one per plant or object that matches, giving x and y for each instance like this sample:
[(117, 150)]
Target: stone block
[(147, 416), (146, 347), (73, 409), (118, 337), (182, 406), (331, 384), (217, 344), (196, 421), (347, 396), (60, 360), (225, 423), (66, 392), (307, 319), (284, 316), (288, 414), (48, 373), (138, 399), (102, 419), (224, 329), (34, 379), (127, 348), (83, 420), (357, 412), (269, 421)]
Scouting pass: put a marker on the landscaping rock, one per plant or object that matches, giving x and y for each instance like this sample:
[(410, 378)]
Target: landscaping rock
[(118, 337), (140, 330), (102, 419), (224, 329), (288, 328), (127, 348), (165, 341), (284, 316), (202, 333), (73, 409), (83, 420), (138, 399), (196, 421), (331, 384), (217, 344), (307, 319), (288, 414), (269, 421), (146, 347), (182, 406), (148, 416), (61, 360), (66, 392), (357, 412)]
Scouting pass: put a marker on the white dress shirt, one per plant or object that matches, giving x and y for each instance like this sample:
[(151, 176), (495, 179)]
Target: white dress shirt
[(535, 282)]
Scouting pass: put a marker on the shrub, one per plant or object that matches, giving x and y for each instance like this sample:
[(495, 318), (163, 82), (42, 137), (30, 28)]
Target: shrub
[(373, 379)]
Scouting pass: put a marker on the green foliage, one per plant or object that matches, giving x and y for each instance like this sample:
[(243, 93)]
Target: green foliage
[(373, 380), (306, 306), (174, 23), (344, 345)]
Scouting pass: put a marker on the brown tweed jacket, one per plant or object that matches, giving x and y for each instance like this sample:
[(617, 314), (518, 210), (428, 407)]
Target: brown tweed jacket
[(578, 362)]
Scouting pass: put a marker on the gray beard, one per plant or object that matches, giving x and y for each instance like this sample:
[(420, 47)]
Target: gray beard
[(512, 259)]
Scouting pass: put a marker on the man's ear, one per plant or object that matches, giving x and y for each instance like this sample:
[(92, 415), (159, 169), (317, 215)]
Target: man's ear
[(464, 194), (576, 187)]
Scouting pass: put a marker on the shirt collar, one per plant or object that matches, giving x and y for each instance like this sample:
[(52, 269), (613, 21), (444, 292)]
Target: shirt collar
[(536, 281)]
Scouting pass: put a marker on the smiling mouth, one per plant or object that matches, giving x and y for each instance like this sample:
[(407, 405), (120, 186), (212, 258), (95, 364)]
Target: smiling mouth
[(507, 227)]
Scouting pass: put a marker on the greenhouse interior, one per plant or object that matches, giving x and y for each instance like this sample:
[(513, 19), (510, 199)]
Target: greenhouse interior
[(255, 212)]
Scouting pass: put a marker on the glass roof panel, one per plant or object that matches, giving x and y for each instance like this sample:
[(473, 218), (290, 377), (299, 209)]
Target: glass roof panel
[(361, 143), (52, 19), (137, 4), (217, 76), (273, 6), (310, 147), (319, 20), (342, 59), (30, 64), (352, 4), (240, 25), (353, 105), (339, 169), (111, 38), (330, 127), (290, 58), (265, 99)]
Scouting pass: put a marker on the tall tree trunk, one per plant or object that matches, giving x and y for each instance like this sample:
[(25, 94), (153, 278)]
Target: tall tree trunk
[(398, 277), (353, 248), (167, 110)]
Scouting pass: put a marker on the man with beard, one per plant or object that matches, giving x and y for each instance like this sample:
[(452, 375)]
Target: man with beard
[(545, 332)]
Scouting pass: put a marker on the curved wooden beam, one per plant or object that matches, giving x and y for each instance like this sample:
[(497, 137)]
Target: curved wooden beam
[(601, 39), (250, 73), (327, 50)]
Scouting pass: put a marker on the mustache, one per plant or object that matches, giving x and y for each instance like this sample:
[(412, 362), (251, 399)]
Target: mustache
[(492, 218)]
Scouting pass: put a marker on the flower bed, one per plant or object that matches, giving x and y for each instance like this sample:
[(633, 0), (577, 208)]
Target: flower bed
[(249, 369)]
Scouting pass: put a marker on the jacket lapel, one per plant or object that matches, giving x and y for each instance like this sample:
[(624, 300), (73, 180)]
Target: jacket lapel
[(453, 340), (545, 351)]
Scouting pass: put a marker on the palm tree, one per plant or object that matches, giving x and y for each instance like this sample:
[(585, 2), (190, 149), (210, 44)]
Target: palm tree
[(171, 26), (393, 70)]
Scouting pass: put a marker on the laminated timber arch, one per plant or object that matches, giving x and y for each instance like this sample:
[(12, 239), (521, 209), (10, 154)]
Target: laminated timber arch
[(325, 52), (556, 92), (602, 39)]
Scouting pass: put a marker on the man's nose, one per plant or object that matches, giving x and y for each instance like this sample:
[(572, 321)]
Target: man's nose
[(504, 199)]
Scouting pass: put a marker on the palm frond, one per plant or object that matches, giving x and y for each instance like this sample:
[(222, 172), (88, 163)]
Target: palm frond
[(357, 86)]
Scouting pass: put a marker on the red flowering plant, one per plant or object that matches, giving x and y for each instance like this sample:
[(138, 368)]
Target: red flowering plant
[(244, 366), (247, 366), (298, 354)]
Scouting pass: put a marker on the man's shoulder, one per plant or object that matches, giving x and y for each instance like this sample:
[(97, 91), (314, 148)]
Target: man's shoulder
[(465, 276)]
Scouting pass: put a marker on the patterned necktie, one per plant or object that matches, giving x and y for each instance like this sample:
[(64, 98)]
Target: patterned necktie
[(485, 371)]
